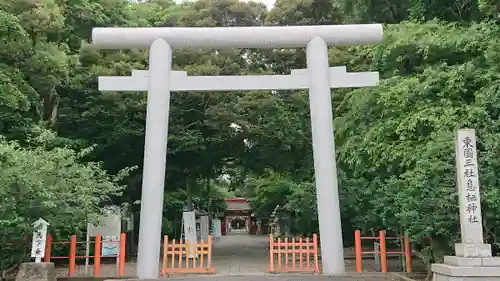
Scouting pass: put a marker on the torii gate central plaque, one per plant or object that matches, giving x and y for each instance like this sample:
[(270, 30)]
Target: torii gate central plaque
[(160, 80)]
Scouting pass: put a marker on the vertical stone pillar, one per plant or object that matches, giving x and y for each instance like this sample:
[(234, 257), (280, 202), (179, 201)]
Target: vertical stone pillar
[(472, 260), (471, 225), (320, 102), (155, 153)]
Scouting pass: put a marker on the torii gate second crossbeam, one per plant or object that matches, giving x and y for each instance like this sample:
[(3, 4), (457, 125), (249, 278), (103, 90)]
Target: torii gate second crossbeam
[(181, 82), (160, 80)]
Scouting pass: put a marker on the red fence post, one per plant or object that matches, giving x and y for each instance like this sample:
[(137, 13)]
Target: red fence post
[(121, 259), (271, 253), (383, 251), (48, 249), (315, 247), (358, 251), (97, 255), (407, 248), (72, 256)]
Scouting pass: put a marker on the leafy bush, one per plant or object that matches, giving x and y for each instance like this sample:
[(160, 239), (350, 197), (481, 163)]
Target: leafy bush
[(51, 184)]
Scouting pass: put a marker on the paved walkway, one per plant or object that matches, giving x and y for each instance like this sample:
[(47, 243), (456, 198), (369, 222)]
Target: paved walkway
[(240, 253), (243, 254)]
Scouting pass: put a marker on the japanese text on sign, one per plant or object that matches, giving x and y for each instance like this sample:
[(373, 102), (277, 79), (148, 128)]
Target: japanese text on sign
[(38, 244), (39, 239), (470, 176)]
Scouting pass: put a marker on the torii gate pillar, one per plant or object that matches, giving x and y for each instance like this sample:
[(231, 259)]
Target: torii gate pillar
[(325, 168), (318, 78)]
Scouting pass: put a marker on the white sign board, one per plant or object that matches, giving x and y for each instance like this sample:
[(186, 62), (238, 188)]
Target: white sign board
[(189, 221), (204, 228), (39, 239), (110, 246), (110, 224)]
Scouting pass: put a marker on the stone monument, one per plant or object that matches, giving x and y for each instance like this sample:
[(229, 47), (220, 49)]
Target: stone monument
[(472, 260), (36, 271)]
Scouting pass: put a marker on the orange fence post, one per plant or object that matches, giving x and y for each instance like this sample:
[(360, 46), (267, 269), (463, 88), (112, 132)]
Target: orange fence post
[(200, 248), (180, 247), (165, 255), (97, 255), (383, 251), (279, 244), (209, 254), (271, 253), (301, 246), (48, 249), (122, 255), (186, 263), (407, 248), (358, 251), (315, 248), (72, 256), (284, 252)]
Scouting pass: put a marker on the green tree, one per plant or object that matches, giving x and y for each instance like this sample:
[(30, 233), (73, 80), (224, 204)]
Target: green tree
[(396, 142), (51, 184)]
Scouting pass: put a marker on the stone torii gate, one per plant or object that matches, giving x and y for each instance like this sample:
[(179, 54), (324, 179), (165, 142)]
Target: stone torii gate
[(160, 80)]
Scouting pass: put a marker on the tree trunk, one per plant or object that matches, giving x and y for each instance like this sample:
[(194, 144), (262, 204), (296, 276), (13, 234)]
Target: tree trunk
[(189, 194)]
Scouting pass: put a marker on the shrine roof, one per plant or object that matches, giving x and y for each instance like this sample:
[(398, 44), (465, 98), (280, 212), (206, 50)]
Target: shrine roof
[(238, 204)]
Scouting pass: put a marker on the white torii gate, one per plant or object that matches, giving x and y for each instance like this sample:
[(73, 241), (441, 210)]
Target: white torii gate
[(160, 80)]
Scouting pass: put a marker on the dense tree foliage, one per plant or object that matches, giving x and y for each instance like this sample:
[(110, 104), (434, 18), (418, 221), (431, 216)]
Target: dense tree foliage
[(50, 183), (439, 64)]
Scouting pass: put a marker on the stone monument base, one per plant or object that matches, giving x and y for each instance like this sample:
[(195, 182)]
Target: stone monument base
[(467, 269), (39, 271)]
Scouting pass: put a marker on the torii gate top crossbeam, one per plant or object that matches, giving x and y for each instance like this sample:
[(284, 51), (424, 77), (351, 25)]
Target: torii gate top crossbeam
[(267, 37)]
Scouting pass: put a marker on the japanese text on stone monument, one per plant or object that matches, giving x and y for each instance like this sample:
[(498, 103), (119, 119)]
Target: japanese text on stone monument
[(468, 186), (470, 173)]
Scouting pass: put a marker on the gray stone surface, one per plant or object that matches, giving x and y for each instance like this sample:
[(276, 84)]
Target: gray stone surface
[(473, 261), (41, 271), (466, 271), (460, 268), (447, 272), (468, 188), (462, 261), (460, 278), (472, 250), (243, 254), (493, 261), (240, 253)]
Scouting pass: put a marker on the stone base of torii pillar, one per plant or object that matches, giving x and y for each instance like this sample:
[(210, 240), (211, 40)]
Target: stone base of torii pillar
[(473, 260)]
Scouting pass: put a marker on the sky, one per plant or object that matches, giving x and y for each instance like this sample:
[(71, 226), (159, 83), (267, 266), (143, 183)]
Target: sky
[(268, 3)]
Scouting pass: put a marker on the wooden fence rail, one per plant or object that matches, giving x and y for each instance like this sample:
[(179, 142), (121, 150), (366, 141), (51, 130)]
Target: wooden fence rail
[(293, 255), (97, 257), (185, 258), (382, 251)]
